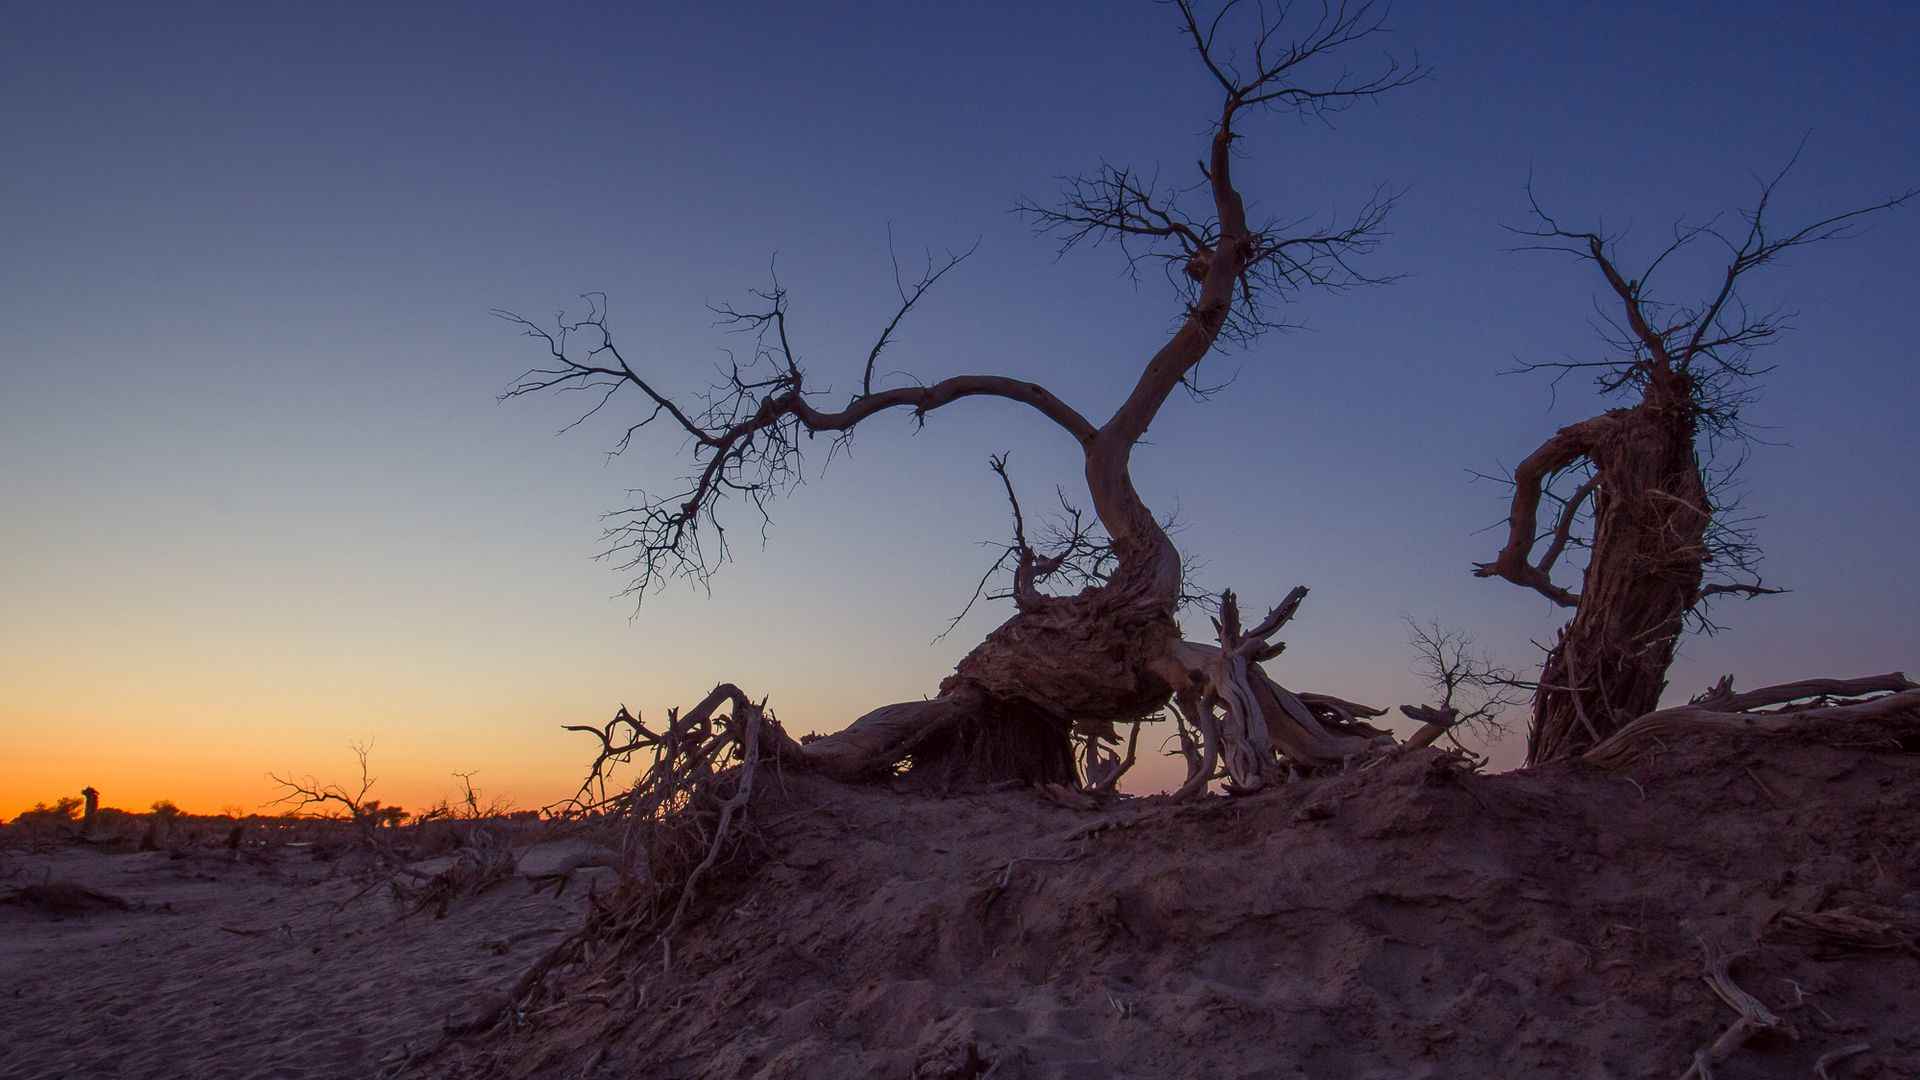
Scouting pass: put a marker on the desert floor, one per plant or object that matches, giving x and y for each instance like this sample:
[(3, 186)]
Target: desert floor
[(1404, 919), (265, 966)]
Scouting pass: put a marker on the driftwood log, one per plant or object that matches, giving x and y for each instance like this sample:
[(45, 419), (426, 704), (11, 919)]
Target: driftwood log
[(1824, 709)]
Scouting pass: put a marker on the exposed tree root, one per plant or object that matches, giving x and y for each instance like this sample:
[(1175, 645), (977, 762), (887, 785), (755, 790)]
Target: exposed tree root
[(1755, 1017), (1262, 730), (683, 818), (1059, 728)]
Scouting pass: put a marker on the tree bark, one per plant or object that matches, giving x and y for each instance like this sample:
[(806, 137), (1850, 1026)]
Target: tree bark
[(1009, 709), (1651, 514), (1889, 722), (1097, 656)]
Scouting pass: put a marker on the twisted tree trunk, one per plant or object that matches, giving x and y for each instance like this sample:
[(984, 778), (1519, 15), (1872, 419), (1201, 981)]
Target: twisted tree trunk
[(1651, 514), (1009, 710)]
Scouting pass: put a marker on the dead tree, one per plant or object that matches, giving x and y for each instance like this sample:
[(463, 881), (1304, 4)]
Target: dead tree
[(308, 795), (1473, 693), (1110, 653), (1637, 488)]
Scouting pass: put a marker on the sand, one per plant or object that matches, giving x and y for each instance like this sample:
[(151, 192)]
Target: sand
[(1404, 920), (225, 969)]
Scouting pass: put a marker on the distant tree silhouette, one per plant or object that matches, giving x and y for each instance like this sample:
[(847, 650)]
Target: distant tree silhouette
[(1472, 693), (1639, 489), (1066, 667), (61, 815), (310, 794)]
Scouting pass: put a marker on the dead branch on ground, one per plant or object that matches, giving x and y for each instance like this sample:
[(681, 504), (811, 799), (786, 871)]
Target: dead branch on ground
[(1890, 720)]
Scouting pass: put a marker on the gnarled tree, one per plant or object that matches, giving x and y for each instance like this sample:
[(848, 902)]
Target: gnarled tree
[(1637, 488), (1111, 652)]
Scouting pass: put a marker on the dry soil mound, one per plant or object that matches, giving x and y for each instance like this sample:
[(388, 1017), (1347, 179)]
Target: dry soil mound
[(1402, 920)]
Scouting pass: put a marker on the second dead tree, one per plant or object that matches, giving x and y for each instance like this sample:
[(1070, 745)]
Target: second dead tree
[(1636, 486)]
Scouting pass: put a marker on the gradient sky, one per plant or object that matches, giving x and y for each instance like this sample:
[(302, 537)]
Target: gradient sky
[(257, 499)]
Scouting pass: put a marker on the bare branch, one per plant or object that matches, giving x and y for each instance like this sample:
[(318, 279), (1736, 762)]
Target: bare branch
[(1708, 344), (1073, 550), (1721, 697), (908, 298), (1473, 692), (1568, 446), (305, 793), (746, 437)]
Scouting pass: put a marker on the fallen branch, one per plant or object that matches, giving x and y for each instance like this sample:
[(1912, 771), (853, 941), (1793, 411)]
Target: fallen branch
[(1883, 720), (1722, 698), (1433, 723)]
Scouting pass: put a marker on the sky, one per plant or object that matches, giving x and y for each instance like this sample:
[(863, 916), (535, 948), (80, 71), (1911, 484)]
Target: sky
[(259, 500)]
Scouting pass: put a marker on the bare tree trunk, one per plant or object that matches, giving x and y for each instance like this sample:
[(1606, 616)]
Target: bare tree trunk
[(1651, 514), (1654, 532)]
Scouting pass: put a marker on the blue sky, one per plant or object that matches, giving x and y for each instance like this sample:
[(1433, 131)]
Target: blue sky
[(260, 498)]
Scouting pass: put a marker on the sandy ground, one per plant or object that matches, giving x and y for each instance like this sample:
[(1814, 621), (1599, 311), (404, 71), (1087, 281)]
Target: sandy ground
[(1401, 921), (227, 969)]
